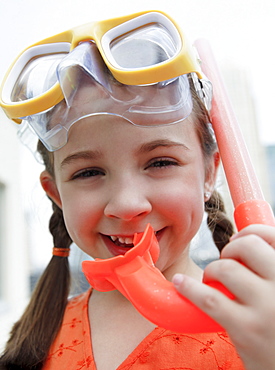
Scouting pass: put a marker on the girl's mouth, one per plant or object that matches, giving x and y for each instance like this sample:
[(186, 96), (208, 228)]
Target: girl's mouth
[(119, 245), (120, 241)]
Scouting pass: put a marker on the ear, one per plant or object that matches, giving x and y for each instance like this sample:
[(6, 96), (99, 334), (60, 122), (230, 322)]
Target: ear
[(49, 185), (211, 175)]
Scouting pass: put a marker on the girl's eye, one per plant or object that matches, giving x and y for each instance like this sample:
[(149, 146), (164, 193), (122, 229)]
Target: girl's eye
[(162, 163), (89, 172)]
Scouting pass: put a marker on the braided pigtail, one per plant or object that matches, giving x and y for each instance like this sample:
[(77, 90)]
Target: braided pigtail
[(33, 334), (217, 220)]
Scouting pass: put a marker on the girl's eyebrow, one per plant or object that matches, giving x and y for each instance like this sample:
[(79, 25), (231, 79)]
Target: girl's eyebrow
[(87, 154), (148, 147), (144, 148)]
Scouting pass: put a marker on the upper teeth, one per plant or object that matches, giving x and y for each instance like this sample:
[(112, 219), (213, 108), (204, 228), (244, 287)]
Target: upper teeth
[(127, 240)]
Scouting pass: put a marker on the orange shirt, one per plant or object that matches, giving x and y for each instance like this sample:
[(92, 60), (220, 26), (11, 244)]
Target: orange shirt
[(161, 349)]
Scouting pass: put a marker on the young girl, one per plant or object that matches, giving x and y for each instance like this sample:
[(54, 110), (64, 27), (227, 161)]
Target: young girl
[(123, 148)]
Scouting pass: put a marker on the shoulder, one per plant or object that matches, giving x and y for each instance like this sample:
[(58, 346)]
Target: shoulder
[(75, 310), (72, 343), (78, 302)]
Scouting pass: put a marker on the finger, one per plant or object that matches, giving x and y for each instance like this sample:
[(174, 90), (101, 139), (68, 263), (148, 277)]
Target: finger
[(254, 252), (250, 328), (214, 303), (238, 279), (263, 231)]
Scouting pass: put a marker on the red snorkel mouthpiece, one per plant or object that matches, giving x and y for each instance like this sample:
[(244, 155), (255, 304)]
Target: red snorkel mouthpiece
[(136, 277)]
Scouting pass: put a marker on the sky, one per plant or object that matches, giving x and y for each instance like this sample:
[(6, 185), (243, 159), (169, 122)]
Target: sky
[(241, 33)]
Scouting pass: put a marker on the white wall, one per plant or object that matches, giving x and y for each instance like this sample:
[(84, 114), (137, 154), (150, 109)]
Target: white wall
[(14, 253)]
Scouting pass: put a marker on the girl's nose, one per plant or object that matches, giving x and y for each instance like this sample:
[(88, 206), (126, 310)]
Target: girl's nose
[(127, 203)]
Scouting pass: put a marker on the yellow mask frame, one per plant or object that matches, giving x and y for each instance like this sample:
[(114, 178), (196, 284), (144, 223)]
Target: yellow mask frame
[(102, 33)]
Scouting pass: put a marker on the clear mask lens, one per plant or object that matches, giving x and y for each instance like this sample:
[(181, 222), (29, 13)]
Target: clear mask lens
[(34, 72), (38, 76), (144, 47)]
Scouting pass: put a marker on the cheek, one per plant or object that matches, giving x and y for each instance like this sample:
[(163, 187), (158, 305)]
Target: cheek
[(183, 207), (80, 216), (181, 197), (185, 212)]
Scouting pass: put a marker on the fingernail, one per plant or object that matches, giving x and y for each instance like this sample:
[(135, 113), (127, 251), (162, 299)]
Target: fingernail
[(177, 279)]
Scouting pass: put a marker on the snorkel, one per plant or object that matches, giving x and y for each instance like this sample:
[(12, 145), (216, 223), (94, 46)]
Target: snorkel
[(135, 275)]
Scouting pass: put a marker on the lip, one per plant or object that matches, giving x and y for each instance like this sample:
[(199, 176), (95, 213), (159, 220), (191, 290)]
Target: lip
[(116, 250)]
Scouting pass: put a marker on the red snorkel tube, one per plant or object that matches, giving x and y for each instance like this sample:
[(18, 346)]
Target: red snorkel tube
[(135, 275), (246, 193)]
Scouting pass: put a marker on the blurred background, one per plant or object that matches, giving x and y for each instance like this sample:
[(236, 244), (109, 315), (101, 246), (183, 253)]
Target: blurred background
[(241, 33)]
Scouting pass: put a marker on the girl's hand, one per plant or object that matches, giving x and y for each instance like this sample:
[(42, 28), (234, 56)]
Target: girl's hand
[(247, 269)]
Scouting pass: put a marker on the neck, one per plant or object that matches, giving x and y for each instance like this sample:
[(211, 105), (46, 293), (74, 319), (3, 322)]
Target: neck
[(183, 264)]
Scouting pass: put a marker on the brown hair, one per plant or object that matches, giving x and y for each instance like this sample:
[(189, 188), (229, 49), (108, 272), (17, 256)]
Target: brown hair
[(217, 220), (33, 334)]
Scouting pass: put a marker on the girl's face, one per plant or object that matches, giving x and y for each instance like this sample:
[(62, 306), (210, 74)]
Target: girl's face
[(113, 178)]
